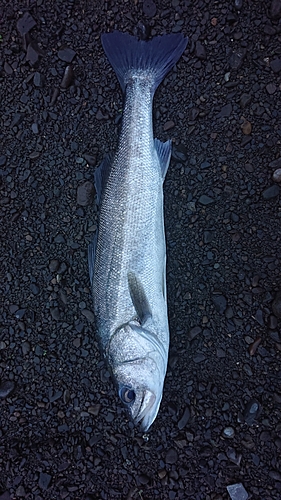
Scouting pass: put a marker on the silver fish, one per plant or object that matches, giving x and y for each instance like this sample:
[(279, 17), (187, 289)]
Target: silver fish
[(127, 258)]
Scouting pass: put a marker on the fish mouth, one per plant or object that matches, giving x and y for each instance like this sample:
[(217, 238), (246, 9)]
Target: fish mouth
[(146, 414)]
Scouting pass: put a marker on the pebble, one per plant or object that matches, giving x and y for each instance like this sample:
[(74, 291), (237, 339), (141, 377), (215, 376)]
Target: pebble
[(3, 160), (6, 388), (25, 23), (32, 53), (271, 192), (225, 111), (198, 358), (237, 492), (196, 330), (276, 65), (85, 194), (38, 79), (34, 128), (245, 99), (171, 456), (277, 175), (271, 88), (236, 59), (254, 345), (168, 125), (228, 432), (44, 480), (90, 159), (184, 419), (200, 50), (67, 78), (206, 200), (54, 265), (246, 126), (252, 411), (275, 9), (66, 54), (55, 313), (89, 315), (276, 305), (220, 303), (149, 8)]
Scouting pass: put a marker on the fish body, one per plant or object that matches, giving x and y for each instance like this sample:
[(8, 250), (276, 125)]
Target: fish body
[(127, 258)]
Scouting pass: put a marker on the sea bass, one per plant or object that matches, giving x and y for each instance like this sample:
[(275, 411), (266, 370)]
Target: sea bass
[(127, 259)]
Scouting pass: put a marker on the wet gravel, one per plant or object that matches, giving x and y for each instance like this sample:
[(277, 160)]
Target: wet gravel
[(63, 434)]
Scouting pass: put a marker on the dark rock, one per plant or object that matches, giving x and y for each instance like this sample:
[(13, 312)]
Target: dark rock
[(66, 54), (276, 65), (184, 419), (252, 411), (236, 59), (168, 125), (196, 330), (275, 9), (171, 456), (149, 8), (225, 111), (245, 99), (271, 192), (85, 194), (206, 200), (25, 24), (6, 388), (68, 77), (276, 305), (3, 160), (44, 480), (200, 50), (220, 303)]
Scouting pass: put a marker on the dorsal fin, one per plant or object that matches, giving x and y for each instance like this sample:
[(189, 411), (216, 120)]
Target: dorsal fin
[(139, 298)]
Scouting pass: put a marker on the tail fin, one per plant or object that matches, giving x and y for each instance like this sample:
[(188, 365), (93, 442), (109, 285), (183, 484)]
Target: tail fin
[(127, 53)]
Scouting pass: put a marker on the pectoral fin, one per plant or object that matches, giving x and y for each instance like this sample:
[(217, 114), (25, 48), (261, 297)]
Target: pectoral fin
[(139, 298)]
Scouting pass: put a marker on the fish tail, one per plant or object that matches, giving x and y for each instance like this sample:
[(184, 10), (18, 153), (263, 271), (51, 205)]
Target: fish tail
[(126, 54)]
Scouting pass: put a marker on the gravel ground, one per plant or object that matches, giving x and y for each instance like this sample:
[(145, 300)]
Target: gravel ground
[(63, 433)]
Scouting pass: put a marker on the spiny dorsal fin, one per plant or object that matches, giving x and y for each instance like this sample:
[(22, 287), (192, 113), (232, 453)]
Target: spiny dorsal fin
[(139, 298)]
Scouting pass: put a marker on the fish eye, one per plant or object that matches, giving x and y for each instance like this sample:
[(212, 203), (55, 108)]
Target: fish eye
[(127, 395)]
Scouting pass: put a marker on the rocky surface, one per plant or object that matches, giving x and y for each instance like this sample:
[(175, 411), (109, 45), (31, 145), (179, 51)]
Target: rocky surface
[(63, 433)]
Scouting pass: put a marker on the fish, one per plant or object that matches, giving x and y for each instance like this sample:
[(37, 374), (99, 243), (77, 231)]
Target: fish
[(127, 257)]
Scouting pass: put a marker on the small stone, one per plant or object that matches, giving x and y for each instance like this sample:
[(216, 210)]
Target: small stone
[(198, 358), (168, 125), (68, 77), (66, 54), (225, 111), (246, 126), (254, 345), (276, 65), (271, 88), (276, 305), (184, 419), (90, 159), (245, 99), (220, 303), (59, 239), (32, 53), (94, 410), (25, 347), (20, 491), (252, 411), (54, 265), (25, 24), (8, 69), (171, 456), (6, 388), (228, 432), (38, 79), (149, 8), (35, 289), (44, 480), (3, 160), (237, 492), (55, 313), (193, 113), (200, 50), (89, 315), (194, 332), (236, 59), (271, 192), (277, 175), (34, 128), (206, 200), (85, 194), (275, 9)]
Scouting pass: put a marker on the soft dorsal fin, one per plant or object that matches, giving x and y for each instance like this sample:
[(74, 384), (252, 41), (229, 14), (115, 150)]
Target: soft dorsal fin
[(164, 150), (139, 298)]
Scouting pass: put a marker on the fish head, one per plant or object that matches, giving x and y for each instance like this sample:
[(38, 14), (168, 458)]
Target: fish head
[(138, 363)]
